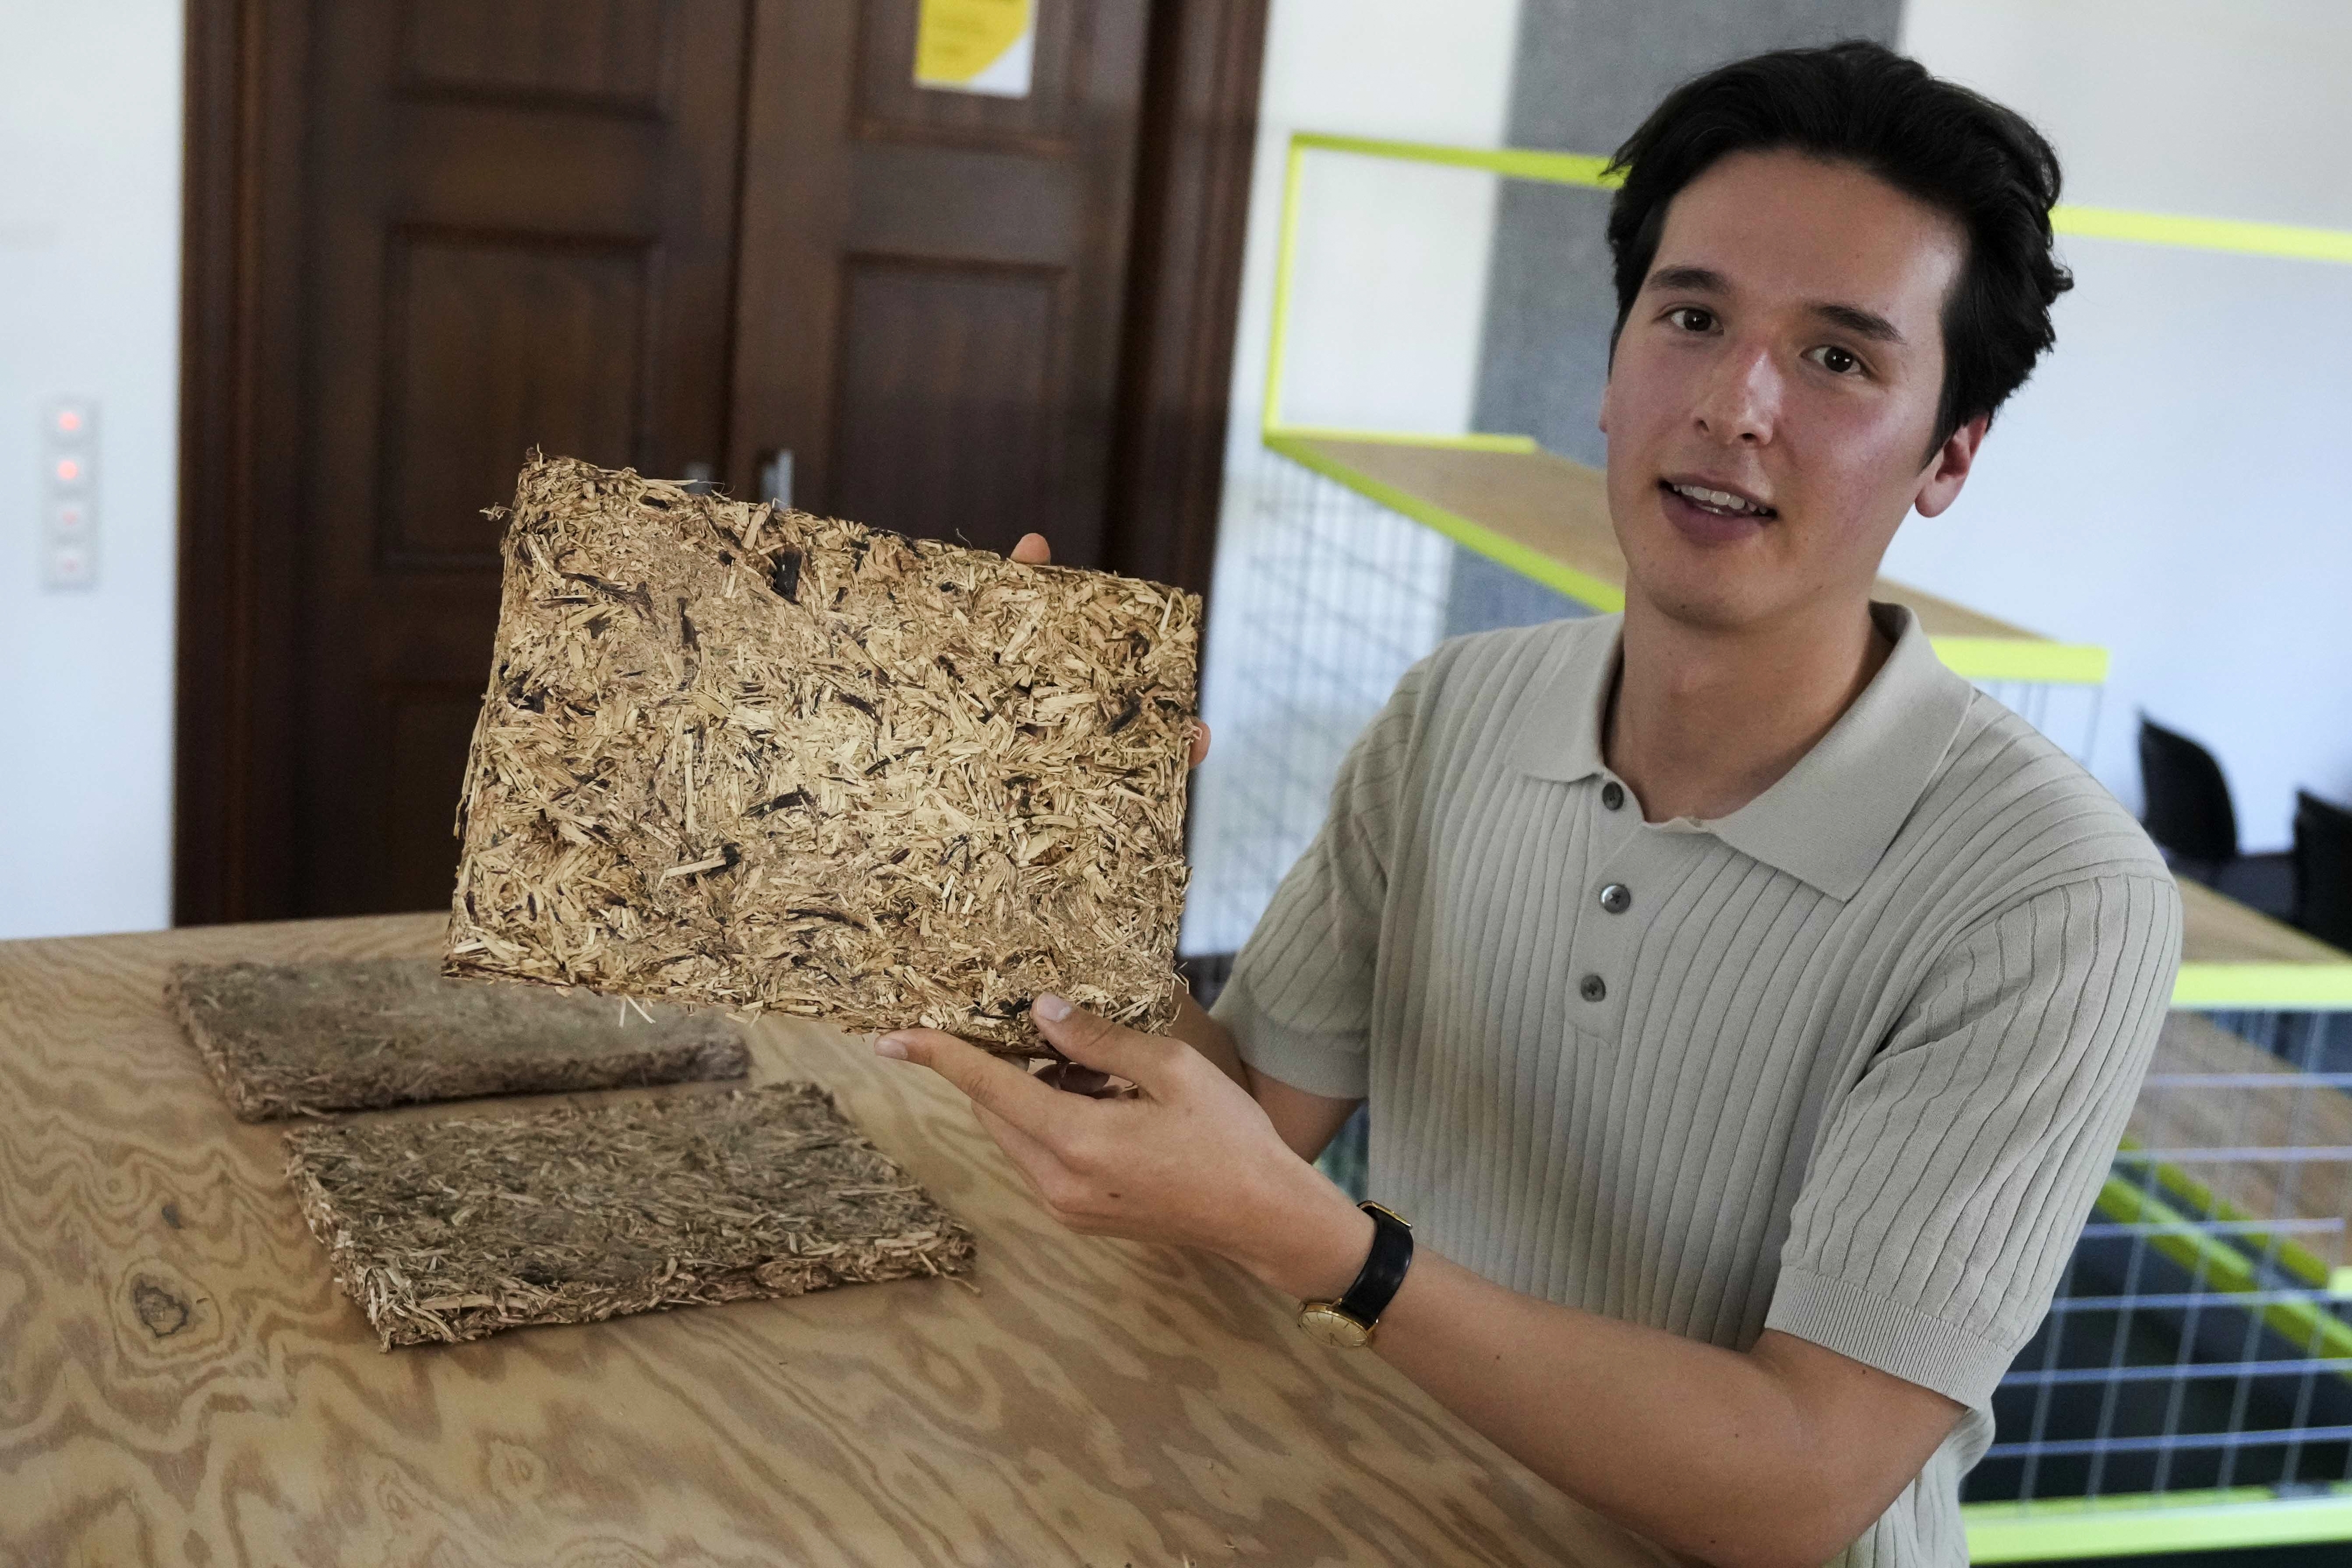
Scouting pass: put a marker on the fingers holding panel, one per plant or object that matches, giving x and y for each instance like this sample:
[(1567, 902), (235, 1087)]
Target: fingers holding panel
[(989, 1080), (1093, 1041)]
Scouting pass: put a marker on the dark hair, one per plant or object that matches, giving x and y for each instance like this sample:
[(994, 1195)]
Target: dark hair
[(1862, 103)]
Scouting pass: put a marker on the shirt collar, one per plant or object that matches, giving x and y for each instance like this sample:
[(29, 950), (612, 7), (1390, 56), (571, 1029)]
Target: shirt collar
[(1829, 818)]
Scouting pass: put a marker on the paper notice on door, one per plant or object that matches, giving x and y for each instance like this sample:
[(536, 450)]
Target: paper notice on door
[(976, 46)]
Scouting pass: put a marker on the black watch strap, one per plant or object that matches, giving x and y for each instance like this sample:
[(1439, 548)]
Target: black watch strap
[(1384, 1270)]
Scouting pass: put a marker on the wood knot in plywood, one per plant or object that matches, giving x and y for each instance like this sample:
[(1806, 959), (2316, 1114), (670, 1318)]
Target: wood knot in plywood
[(162, 1311)]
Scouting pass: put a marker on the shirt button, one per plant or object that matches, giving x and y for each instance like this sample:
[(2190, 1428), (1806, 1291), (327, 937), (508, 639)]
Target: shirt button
[(1612, 794), (1592, 988), (1616, 897)]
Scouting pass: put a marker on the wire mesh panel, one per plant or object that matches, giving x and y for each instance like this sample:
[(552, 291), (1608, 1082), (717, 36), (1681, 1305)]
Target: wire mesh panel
[(2199, 1338), (1335, 598)]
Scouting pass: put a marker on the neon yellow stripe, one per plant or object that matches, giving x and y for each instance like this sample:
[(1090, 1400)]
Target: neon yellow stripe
[(2290, 242), (1977, 658), (1518, 162), (1286, 252), (2221, 1267), (2286, 241), (1601, 596), (1476, 441), (2162, 1521), (2318, 987), (2295, 1258), (2023, 659)]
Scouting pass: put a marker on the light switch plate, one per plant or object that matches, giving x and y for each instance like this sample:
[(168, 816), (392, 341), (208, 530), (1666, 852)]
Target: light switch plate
[(69, 456)]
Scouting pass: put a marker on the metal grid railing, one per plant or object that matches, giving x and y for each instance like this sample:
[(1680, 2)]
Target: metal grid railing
[(2199, 1338), (1335, 599)]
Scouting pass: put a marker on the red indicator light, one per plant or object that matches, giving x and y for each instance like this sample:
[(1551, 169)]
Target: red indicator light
[(69, 420), (68, 471)]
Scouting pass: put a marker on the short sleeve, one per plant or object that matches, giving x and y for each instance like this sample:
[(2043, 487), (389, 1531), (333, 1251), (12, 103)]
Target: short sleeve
[(1300, 1001), (1950, 1184)]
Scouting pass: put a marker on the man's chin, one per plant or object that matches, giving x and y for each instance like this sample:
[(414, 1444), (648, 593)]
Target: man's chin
[(1718, 601)]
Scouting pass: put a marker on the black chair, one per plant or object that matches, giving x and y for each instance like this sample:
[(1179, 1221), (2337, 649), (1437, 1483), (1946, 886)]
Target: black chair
[(2188, 813), (2322, 870)]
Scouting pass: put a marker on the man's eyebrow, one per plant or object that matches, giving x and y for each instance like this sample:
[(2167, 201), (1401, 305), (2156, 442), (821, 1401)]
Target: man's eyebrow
[(1862, 324), (1691, 280)]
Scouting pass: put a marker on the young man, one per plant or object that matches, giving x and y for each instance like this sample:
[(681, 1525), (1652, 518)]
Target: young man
[(1748, 1007)]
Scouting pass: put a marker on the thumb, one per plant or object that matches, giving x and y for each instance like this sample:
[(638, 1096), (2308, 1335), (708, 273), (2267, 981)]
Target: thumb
[(1091, 1040)]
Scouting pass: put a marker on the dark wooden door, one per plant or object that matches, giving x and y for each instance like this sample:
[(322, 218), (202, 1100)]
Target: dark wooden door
[(523, 234), (933, 282), (424, 235)]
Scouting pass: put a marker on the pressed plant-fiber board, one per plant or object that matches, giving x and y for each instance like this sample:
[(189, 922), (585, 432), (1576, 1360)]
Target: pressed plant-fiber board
[(292, 1039), (748, 757), (455, 1227)]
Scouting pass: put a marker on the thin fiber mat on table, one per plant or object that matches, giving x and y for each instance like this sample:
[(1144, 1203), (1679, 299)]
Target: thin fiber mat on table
[(455, 1227), (293, 1039), (732, 755)]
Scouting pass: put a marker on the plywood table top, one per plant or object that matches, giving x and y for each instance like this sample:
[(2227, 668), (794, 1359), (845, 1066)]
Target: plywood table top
[(1547, 517), (181, 1382)]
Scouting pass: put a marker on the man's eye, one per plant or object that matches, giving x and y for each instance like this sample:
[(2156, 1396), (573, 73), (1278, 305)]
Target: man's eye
[(1833, 359), (1691, 319)]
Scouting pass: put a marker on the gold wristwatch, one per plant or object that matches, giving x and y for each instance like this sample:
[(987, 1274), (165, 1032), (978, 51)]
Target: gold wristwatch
[(1347, 1324)]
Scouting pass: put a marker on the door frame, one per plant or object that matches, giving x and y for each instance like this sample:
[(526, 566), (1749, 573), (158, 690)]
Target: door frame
[(241, 396)]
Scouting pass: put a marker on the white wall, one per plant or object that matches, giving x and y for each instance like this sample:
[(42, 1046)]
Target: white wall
[(2172, 483), (90, 249), (1392, 283)]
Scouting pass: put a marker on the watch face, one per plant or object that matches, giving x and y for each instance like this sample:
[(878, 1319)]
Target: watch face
[(1326, 1325)]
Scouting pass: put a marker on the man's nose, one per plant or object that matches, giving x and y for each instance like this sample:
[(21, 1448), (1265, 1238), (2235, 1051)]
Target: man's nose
[(1741, 398)]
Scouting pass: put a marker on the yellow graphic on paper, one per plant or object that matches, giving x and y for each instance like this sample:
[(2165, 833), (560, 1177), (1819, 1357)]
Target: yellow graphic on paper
[(976, 46)]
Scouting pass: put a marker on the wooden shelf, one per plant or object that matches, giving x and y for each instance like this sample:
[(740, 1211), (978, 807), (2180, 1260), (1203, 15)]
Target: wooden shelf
[(1548, 518), (2231, 956)]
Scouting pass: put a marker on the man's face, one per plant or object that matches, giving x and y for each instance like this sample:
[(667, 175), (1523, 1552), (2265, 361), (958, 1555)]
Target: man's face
[(1775, 385)]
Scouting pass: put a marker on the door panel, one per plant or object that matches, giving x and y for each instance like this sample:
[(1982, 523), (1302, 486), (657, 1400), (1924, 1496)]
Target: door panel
[(947, 377), (523, 234), (429, 728), (928, 310), (496, 344), (603, 54)]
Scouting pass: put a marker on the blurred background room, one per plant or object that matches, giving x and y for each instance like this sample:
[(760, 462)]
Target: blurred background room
[(1207, 291)]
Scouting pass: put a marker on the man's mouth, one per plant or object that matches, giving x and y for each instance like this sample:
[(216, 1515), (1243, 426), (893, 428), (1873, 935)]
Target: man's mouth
[(1722, 503)]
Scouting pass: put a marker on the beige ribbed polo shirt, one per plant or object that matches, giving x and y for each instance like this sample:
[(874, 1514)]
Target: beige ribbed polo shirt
[(1847, 1063)]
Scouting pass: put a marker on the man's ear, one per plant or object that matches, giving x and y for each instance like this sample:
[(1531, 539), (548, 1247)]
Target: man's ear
[(1947, 470)]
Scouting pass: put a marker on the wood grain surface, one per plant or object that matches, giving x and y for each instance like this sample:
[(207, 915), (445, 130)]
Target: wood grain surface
[(181, 1381), (2216, 929), (1561, 509)]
